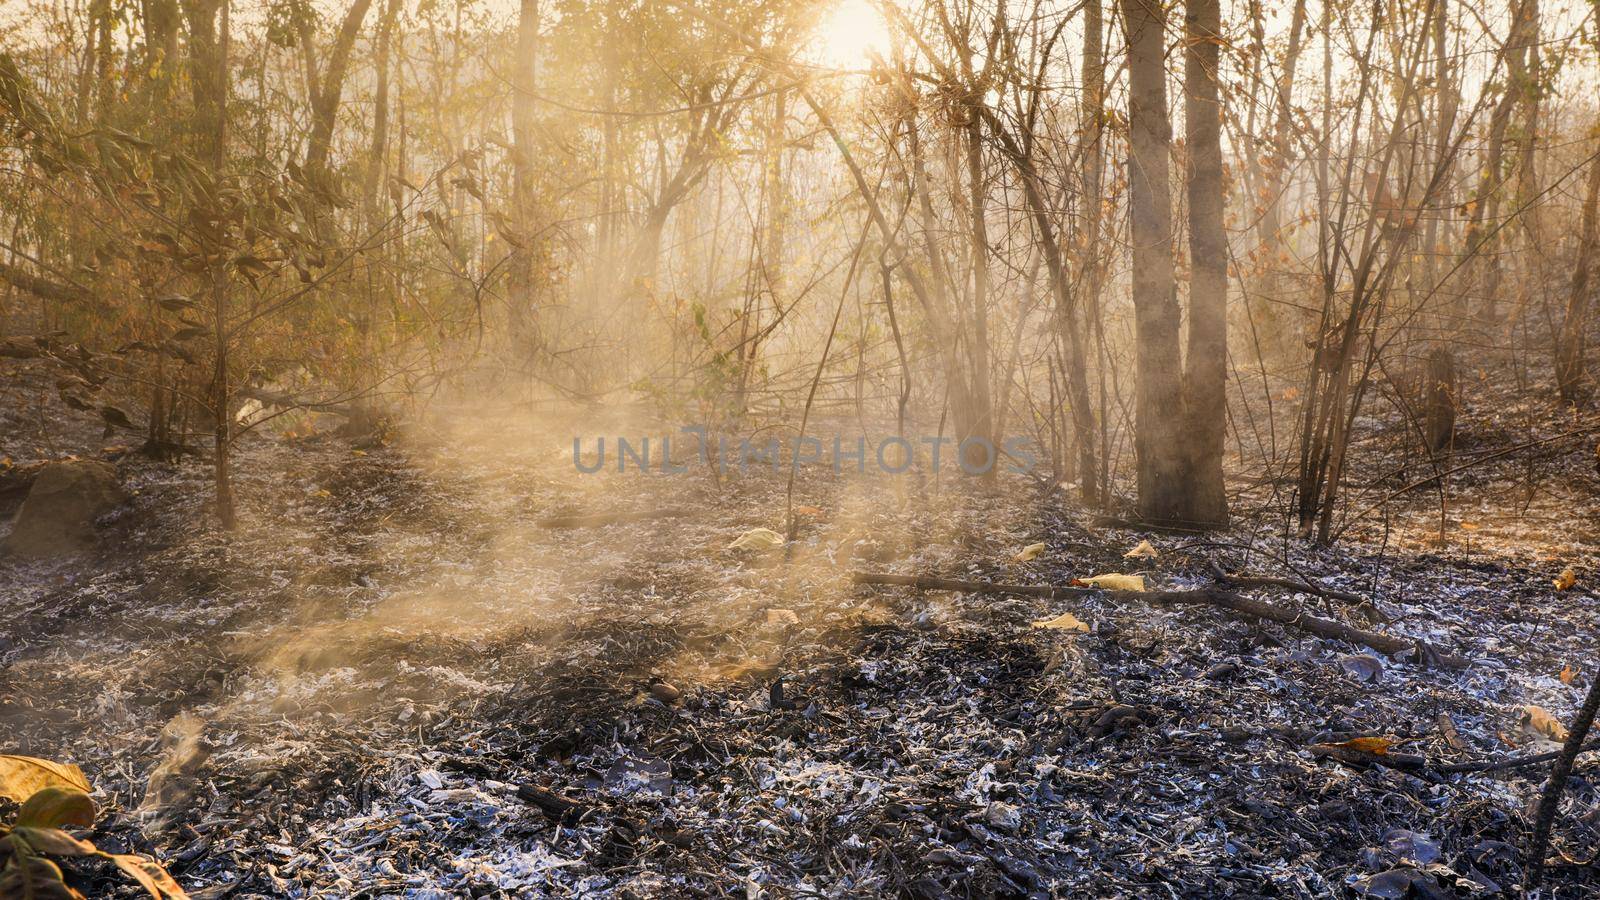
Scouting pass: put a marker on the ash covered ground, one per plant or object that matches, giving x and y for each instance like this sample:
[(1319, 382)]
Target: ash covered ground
[(392, 681)]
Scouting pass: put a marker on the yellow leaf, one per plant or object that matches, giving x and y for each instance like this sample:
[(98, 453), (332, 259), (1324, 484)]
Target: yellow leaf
[(1144, 550), (150, 875), (21, 776), (1031, 551), (358, 453), (1538, 723), (758, 539), (1115, 582), (1566, 579), (1469, 526), (1568, 674), (1064, 622), (776, 616)]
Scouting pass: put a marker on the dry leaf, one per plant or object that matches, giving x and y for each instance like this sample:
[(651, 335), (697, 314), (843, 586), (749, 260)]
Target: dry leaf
[(758, 539), (1469, 526), (1030, 552), (1375, 745), (1064, 622), (1114, 582), (808, 511), (21, 776), (54, 807), (1566, 580), (1144, 550), (1568, 674), (1452, 737), (776, 616), (1538, 723)]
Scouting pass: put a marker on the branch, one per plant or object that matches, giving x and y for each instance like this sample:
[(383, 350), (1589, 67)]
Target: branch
[(1249, 607)]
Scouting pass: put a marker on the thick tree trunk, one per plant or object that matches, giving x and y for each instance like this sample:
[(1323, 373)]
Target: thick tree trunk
[(1439, 400), (1205, 369), (1158, 404)]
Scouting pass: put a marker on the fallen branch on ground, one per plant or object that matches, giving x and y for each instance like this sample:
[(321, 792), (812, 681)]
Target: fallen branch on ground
[(1245, 606), (1353, 600), (585, 521), (1512, 762)]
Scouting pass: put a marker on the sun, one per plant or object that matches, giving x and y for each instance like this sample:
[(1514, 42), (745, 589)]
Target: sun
[(850, 33)]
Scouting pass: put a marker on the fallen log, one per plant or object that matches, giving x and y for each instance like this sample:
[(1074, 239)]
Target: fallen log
[(1249, 607), (611, 518)]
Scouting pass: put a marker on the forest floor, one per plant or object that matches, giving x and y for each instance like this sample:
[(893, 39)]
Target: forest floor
[(393, 681)]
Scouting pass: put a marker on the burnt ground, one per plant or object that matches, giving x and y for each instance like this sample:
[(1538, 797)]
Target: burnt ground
[(393, 682)]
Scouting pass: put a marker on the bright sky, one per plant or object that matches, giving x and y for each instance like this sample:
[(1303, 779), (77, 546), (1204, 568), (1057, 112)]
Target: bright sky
[(849, 34)]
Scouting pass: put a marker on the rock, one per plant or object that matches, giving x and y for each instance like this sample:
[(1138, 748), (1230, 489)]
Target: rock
[(58, 515), (1362, 666), (664, 692), (1003, 816)]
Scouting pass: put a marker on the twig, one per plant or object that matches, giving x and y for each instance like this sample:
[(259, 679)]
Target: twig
[(1557, 782), (1512, 762)]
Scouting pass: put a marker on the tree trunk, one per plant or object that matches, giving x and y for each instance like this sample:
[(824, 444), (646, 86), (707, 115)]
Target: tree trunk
[(208, 47), (975, 455), (1205, 368), (1158, 403), (1570, 344), (1092, 129), (380, 114), (1439, 400), (327, 88), (520, 278)]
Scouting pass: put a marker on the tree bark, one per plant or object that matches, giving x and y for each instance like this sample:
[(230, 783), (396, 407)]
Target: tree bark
[(520, 279), (208, 47), (1572, 342), (1205, 369), (327, 87), (1158, 403)]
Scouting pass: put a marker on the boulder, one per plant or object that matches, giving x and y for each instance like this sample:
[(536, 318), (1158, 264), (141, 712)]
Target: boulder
[(58, 514)]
